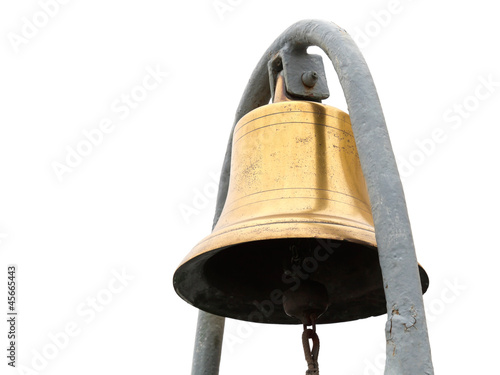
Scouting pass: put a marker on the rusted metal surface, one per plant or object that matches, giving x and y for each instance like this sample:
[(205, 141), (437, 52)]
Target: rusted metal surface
[(311, 354), (280, 94), (306, 301)]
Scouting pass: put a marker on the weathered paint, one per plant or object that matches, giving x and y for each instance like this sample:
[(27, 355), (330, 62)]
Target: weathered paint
[(408, 349)]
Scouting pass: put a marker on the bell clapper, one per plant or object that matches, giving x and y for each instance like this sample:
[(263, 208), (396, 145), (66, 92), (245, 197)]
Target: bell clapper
[(306, 301)]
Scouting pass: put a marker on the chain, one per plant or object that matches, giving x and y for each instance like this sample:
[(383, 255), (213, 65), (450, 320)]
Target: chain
[(311, 354)]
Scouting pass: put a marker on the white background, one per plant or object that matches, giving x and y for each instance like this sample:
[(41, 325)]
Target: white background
[(122, 208)]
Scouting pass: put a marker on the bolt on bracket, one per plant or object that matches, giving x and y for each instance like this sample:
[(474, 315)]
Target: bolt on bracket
[(304, 74)]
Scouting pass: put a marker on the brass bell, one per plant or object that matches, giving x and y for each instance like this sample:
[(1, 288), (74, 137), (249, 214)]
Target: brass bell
[(297, 214)]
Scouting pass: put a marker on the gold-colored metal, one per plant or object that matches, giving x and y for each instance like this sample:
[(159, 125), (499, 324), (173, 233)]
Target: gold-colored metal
[(280, 94), (295, 172), (296, 185)]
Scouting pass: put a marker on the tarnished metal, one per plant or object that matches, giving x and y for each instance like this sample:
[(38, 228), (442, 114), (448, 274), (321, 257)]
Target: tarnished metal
[(280, 94), (311, 354), (306, 301), (304, 74), (296, 180), (310, 78), (208, 344), (295, 170), (408, 350)]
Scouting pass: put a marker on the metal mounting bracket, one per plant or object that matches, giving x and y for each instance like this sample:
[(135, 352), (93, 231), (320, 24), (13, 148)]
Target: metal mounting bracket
[(304, 74)]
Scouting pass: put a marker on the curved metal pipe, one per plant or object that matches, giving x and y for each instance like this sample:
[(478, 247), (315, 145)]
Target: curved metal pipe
[(408, 349)]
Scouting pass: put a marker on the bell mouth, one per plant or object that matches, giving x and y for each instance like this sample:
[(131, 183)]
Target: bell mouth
[(246, 281)]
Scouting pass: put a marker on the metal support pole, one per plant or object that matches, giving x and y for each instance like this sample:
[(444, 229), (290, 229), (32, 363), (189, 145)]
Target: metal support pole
[(208, 344), (209, 333), (408, 348)]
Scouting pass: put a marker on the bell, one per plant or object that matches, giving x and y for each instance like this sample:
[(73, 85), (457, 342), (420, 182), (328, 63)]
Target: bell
[(297, 221)]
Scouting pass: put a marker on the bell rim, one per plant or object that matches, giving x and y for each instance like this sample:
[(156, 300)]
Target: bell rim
[(204, 257), (297, 227)]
